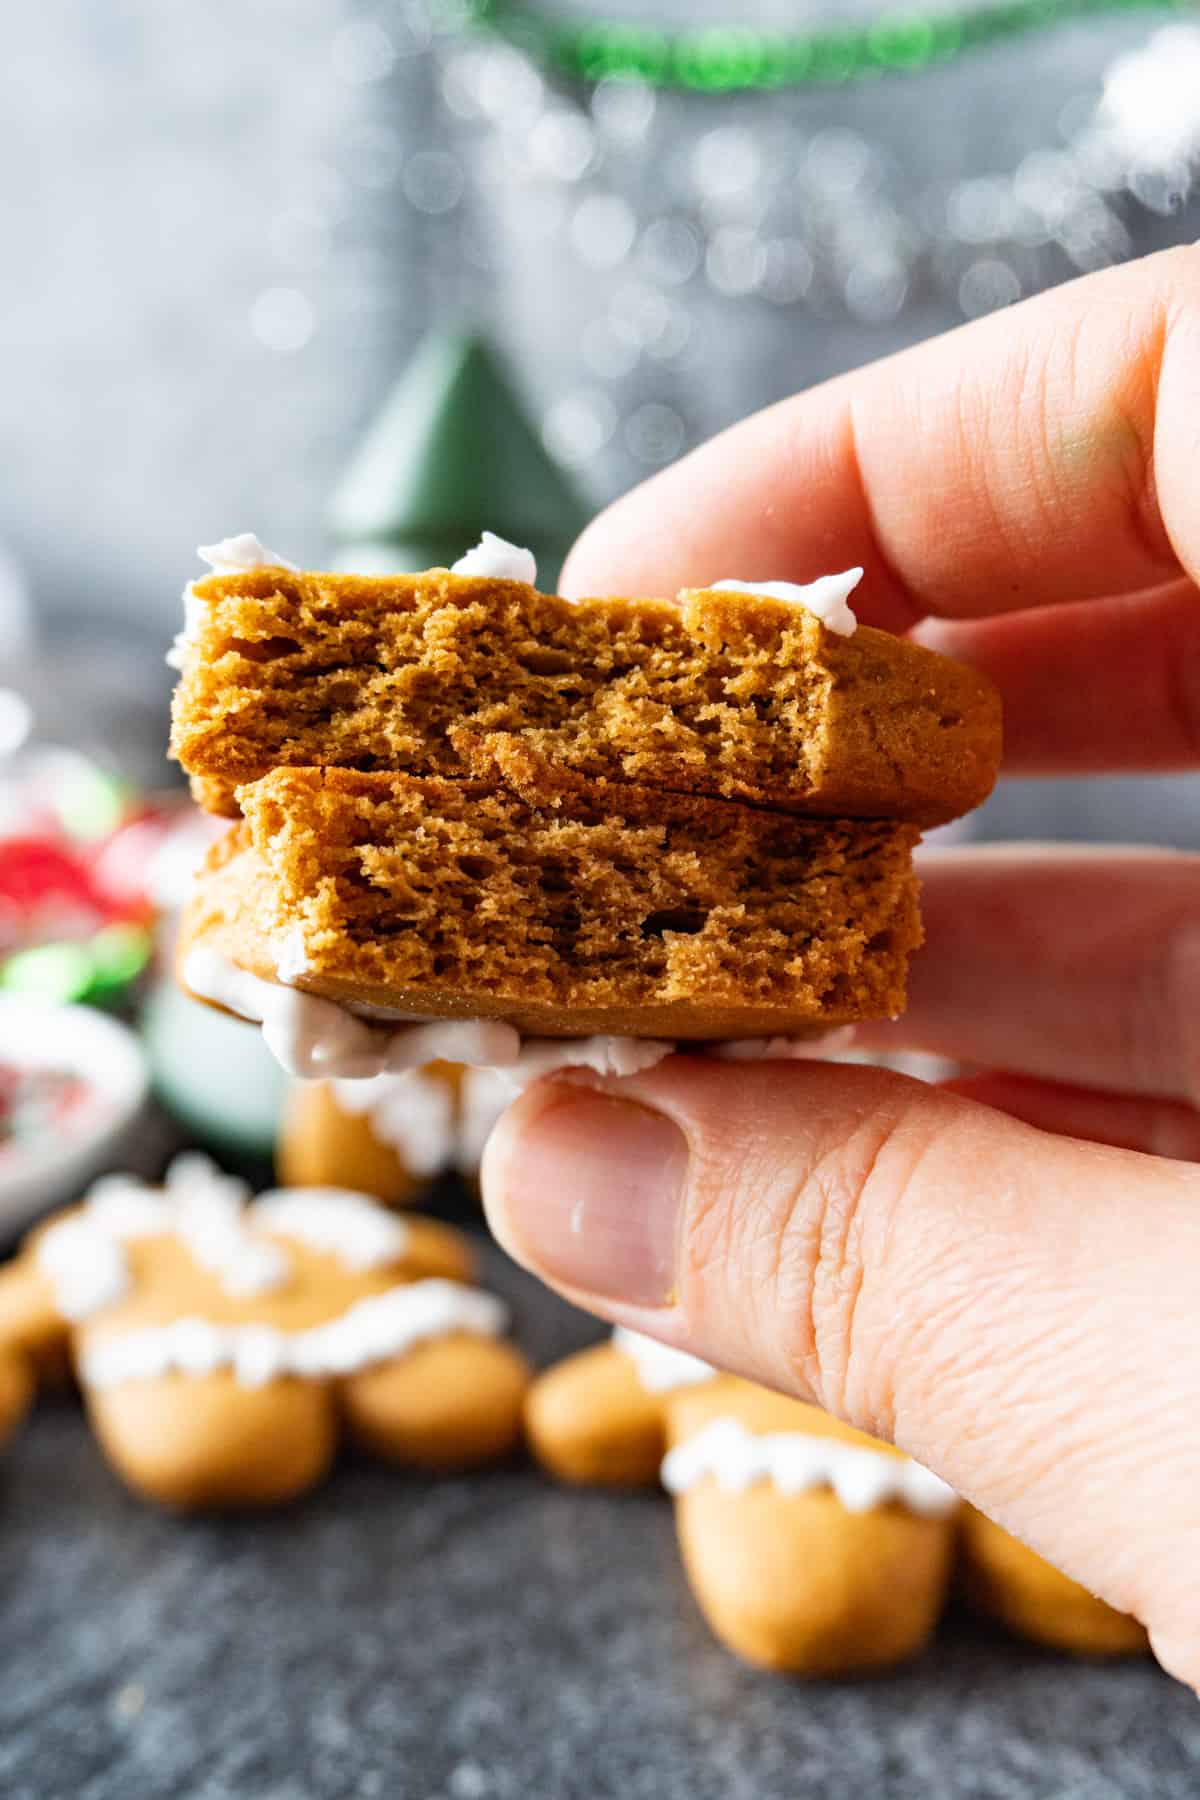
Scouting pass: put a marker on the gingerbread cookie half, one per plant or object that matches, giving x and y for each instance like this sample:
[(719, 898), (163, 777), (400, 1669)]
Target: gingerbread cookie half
[(746, 694), (561, 910), (223, 1346)]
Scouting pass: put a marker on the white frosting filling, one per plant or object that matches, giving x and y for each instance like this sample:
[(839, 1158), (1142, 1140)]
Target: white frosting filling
[(826, 597), (660, 1368), (412, 1114), (317, 1039), (482, 1096), (83, 1256), (795, 1463), (336, 1222), (371, 1331), (232, 556), (498, 560)]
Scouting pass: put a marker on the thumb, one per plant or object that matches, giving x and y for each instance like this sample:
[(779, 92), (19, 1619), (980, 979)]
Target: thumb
[(1014, 1309)]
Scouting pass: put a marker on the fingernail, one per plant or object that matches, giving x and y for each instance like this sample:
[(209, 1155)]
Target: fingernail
[(587, 1190)]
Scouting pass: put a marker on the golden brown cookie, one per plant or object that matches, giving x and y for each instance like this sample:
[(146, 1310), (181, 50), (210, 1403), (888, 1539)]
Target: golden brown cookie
[(599, 1417), (673, 918), (732, 695), (1010, 1582), (16, 1391), (810, 1547), (219, 1343)]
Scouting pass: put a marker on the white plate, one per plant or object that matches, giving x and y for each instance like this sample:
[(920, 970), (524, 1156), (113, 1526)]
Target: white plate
[(52, 1169)]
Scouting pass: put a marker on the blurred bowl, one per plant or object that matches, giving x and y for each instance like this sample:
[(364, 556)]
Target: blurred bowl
[(48, 1169)]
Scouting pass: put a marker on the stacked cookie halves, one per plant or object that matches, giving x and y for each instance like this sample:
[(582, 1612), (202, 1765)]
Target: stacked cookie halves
[(453, 797)]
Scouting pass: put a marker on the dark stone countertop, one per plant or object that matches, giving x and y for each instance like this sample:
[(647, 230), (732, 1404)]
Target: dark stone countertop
[(486, 1638)]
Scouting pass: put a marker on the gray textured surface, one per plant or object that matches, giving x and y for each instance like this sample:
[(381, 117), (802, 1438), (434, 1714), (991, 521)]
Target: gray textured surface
[(492, 1638)]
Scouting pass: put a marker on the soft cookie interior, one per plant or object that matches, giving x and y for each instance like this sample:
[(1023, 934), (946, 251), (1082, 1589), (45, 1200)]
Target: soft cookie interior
[(625, 911)]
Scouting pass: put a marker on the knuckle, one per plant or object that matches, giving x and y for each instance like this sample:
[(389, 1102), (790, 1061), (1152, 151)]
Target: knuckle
[(856, 1194)]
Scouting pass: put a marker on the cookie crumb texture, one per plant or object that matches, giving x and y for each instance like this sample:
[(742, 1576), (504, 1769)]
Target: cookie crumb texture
[(722, 694), (565, 909)]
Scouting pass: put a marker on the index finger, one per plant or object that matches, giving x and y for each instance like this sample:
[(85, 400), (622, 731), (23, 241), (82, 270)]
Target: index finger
[(1041, 455)]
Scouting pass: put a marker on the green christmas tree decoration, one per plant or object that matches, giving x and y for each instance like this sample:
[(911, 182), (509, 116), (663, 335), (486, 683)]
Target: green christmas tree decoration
[(452, 454)]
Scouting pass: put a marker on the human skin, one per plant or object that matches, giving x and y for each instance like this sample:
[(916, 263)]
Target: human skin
[(999, 1274)]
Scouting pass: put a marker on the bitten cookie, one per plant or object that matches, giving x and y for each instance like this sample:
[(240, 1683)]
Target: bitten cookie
[(221, 1345), (810, 1547), (599, 1417), (742, 695), (1010, 1582)]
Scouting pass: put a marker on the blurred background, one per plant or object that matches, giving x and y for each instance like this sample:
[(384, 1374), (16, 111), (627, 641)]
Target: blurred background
[(228, 227), (228, 231)]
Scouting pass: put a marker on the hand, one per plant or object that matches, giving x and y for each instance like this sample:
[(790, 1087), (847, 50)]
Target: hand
[(1002, 1274)]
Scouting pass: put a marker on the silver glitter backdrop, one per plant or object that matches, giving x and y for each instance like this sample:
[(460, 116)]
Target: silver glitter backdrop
[(227, 225)]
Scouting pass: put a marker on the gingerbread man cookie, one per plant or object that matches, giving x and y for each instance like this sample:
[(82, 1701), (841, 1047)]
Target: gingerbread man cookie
[(810, 1547), (1010, 1582), (599, 1417), (222, 1345), (390, 1135)]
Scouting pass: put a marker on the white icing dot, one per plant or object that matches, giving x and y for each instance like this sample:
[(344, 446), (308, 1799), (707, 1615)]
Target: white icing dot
[(660, 1368), (496, 559), (795, 1463), (237, 555), (826, 597), (373, 1330)]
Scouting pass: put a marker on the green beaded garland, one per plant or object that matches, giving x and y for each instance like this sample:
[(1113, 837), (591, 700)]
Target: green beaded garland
[(735, 59)]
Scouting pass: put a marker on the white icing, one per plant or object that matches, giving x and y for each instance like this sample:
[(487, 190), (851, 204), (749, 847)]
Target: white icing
[(232, 556), (482, 1096), (237, 555), (795, 1463), (412, 1114), (316, 1039), (605, 1055), (291, 957), (195, 611), (207, 1212), (498, 560), (826, 597), (336, 1222), (660, 1368), (86, 1268), (371, 1331), (84, 1258)]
